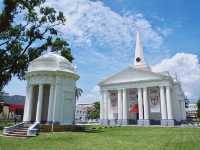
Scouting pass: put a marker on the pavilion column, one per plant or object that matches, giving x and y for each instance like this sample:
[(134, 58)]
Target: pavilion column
[(146, 107), (183, 110), (105, 103), (140, 107), (102, 108), (110, 115), (163, 106), (39, 104), (169, 106), (28, 104), (124, 109), (119, 106), (56, 104), (51, 102)]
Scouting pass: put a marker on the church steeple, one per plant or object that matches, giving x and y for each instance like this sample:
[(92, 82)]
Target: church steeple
[(139, 56)]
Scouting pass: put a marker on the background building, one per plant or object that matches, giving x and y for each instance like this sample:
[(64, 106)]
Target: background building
[(191, 112), (82, 112), (12, 106)]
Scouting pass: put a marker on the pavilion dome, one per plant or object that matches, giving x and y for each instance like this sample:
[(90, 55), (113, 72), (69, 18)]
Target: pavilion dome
[(51, 61)]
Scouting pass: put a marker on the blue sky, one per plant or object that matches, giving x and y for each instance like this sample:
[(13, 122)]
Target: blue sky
[(102, 37)]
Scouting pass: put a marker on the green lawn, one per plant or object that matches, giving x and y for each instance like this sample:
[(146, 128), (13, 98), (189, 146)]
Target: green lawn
[(117, 138)]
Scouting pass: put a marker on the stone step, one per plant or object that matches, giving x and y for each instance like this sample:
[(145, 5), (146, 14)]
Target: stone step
[(16, 135), (16, 132), (20, 130)]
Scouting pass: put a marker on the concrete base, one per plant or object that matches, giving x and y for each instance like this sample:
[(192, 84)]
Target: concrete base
[(119, 121), (112, 122), (124, 121), (171, 122), (146, 122), (164, 122), (104, 122), (140, 122)]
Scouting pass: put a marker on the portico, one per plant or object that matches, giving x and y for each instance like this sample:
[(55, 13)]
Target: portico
[(136, 95), (143, 105)]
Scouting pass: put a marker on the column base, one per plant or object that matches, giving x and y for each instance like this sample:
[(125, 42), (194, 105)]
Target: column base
[(140, 122), (124, 121), (112, 122), (164, 122), (146, 122), (119, 121), (104, 122), (28, 122), (170, 122)]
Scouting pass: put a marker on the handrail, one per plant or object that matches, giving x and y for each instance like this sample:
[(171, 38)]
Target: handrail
[(33, 129)]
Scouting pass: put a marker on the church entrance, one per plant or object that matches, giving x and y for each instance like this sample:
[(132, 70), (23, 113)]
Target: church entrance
[(132, 97)]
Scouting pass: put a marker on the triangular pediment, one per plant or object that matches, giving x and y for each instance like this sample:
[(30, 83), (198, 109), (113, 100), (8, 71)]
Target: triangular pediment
[(132, 74)]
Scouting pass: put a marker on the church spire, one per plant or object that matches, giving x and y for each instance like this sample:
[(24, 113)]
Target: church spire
[(139, 56)]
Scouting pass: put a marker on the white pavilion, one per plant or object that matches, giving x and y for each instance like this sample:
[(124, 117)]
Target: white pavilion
[(51, 82), (137, 95)]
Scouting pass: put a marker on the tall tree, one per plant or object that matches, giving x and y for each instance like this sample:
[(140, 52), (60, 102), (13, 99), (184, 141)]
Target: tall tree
[(94, 112), (198, 110), (27, 28)]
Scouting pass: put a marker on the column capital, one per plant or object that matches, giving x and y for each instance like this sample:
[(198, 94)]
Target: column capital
[(120, 89), (144, 89), (162, 86), (124, 89)]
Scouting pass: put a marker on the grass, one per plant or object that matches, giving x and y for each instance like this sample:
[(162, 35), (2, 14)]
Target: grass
[(116, 138), (6, 123)]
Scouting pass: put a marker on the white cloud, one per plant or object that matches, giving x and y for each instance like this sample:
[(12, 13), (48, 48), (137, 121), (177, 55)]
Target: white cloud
[(187, 68), (94, 27), (103, 38)]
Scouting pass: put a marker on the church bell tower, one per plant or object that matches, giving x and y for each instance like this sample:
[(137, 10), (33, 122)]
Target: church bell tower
[(139, 56)]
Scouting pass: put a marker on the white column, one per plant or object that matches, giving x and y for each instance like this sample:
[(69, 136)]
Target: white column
[(125, 111), (56, 106), (169, 103), (119, 104), (30, 103), (51, 102), (105, 98), (146, 104), (39, 104), (163, 103), (183, 110), (102, 106), (140, 104), (110, 115)]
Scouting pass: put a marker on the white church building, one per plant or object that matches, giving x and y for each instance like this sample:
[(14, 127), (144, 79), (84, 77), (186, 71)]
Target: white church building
[(137, 95)]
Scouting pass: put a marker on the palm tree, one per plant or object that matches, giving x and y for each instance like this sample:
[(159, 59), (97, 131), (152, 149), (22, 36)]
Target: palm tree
[(78, 93)]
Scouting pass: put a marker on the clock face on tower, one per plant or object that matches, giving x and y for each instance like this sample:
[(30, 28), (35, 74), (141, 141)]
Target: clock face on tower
[(138, 59)]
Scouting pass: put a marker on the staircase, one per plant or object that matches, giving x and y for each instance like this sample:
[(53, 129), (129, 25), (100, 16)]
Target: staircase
[(19, 132), (22, 130)]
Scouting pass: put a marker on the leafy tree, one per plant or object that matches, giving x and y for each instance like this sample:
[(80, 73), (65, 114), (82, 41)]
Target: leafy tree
[(2, 94), (94, 112), (198, 109), (27, 28)]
